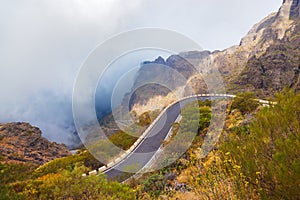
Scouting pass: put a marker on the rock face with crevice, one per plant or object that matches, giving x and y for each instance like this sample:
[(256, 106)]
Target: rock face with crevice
[(276, 69), (21, 143)]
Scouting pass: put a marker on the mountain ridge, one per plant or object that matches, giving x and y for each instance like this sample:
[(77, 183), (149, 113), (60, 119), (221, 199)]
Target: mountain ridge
[(234, 63)]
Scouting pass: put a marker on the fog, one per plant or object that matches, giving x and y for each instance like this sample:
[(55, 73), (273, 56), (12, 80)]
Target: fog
[(44, 43)]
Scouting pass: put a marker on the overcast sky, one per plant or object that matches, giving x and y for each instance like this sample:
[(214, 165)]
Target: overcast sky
[(44, 42)]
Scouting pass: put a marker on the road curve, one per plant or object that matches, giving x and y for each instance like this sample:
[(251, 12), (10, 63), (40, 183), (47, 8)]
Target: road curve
[(147, 146), (140, 156)]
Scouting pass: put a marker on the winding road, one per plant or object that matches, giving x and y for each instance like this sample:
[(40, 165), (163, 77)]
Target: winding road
[(150, 142)]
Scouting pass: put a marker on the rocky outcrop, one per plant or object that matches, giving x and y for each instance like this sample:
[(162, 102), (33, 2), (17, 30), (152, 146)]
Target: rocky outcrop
[(277, 68), (266, 59), (21, 142), (174, 72)]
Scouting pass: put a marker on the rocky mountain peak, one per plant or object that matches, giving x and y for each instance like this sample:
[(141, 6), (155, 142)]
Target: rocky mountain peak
[(160, 60), (271, 28)]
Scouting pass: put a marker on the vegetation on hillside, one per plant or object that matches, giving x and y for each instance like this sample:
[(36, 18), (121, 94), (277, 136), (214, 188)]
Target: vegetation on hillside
[(269, 152), (122, 140), (71, 185), (253, 160), (10, 173), (257, 157), (125, 139), (68, 163), (51, 181)]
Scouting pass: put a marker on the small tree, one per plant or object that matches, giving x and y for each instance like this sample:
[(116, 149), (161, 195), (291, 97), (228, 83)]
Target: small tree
[(154, 185), (245, 102)]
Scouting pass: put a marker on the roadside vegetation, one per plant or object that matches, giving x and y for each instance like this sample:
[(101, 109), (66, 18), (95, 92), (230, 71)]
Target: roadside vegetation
[(245, 102), (59, 179), (257, 157)]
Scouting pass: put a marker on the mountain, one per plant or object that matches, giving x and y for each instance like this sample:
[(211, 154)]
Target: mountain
[(266, 60), (279, 65), (22, 143), (257, 161), (277, 68)]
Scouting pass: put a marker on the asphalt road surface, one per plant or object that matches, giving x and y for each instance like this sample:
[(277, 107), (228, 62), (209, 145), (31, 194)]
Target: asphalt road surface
[(143, 153), (147, 148)]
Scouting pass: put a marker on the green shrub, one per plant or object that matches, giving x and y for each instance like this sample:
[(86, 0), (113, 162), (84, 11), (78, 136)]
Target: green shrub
[(15, 172), (71, 185), (68, 163), (245, 102), (10, 173), (154, 185), (122, 140), (144, 119)]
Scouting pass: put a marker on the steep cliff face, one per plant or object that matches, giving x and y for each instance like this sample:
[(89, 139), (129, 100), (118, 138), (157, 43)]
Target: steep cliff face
[(279, 65), (21, 142), (175, 72), (277, 68), (266, 59), (231, 62)]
